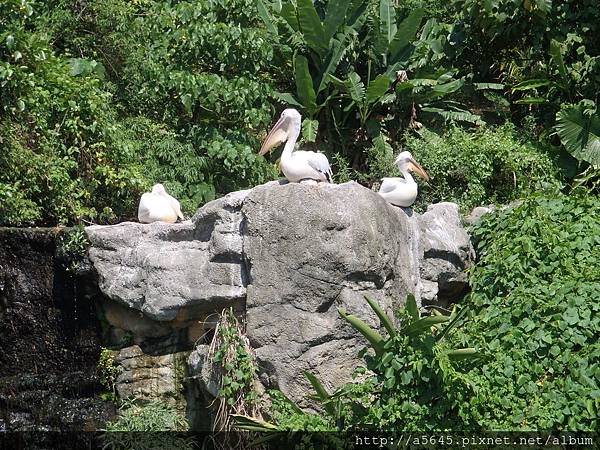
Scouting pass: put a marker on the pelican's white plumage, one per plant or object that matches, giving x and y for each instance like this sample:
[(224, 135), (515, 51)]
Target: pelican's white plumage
[(158, 206), (402, 191), (298, 165)]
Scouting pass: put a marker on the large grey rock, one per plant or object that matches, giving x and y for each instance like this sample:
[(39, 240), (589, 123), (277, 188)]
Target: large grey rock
[(173, 272), (288, 255), (447, 252), (311, 250), (145, 377)]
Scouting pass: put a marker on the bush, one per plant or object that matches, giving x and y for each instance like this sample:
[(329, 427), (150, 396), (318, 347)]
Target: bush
[(147, 419), (489, 165), (534, 309), (61, 161)]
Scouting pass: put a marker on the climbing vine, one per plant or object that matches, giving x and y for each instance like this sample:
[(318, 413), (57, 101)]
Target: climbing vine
[(234, 360), (108, 371)]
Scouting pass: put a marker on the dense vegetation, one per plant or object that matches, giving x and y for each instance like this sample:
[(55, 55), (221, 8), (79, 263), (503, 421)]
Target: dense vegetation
[(100, 99)]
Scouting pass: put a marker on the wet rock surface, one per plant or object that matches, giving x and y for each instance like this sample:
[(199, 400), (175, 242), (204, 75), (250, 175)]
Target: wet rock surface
[(51, 339)]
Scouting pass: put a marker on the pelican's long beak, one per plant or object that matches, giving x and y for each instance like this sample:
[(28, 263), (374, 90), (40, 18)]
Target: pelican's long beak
[(276, 136), (413, 165)]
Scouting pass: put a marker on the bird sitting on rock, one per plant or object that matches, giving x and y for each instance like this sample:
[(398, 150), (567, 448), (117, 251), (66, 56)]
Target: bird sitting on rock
[(402, 191), (297, 166), (158, 206)]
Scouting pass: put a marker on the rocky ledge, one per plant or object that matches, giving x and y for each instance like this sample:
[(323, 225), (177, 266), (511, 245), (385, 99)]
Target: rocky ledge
[(286, 257)]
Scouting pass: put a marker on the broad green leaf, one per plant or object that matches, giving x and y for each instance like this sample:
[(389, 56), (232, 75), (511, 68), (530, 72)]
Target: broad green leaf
[(309, 129), (374, 338), (287, 98), (335, 16), (387, 21), (383, 317), (412, 308), (288, 12), (579, 134), (266, 16), (531, 101), (186, 100), (421, 325), (355, 87), (79, 66), (457, 116), (311, 26), (331, 62), (252, 424), (462, 353), (494, 86), (304, 84), (377, 88), (322, 393), (556, 55), (544, 6), (448, 88), (405, 34), (531, 84)]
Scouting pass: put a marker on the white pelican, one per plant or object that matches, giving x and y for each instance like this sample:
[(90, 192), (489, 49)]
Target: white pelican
[(402, 191), (158, 206), (297, 166)]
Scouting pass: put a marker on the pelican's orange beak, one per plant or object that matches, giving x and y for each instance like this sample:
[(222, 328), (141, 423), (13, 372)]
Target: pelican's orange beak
[(276, 136), (414, 166)]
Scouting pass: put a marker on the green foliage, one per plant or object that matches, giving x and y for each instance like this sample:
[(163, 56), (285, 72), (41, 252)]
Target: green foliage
[(234, 356), (149, 418), (108, 371), (72, 246), (490, 165), (57, 132), (152, 416), (579, 130), (547, 53), (414, 383), (88, 89), (203, 73), (534, 310)]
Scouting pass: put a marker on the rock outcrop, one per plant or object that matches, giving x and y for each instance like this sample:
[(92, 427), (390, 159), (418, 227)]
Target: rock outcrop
[(285, 257)]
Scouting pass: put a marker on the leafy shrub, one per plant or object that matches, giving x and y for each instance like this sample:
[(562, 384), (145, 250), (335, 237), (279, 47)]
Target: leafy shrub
[(534, 310), (151, 417), (202, 70), (108, 371), (490, 165), (57, 133)]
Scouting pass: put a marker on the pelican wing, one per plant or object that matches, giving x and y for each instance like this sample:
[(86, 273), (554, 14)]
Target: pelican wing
[(389, 184), (175, 205), (144, 208), (320, 163)]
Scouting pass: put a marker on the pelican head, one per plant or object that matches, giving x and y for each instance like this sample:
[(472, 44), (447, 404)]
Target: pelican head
[(288, 125), (158, 189), (406, 162)]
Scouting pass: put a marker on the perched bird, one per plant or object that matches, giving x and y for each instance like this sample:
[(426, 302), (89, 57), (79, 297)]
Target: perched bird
[(402, 191), (297, 166), (158, 206)]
